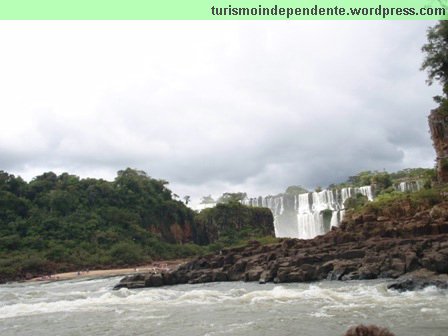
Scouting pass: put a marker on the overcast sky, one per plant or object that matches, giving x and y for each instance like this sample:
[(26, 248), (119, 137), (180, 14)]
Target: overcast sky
[(214, 106)]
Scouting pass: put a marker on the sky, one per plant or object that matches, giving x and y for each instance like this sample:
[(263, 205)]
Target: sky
[(214, 107)]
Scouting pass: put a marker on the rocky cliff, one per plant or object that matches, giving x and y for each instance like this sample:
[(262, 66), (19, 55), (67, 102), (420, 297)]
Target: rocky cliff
[(384, 244), (438, 121)]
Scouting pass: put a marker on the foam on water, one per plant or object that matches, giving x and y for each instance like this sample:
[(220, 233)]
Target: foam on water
[(216, 308), (351, 295)]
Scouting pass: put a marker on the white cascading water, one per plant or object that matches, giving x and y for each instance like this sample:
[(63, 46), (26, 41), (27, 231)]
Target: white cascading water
[(302, 215), (409, 186)]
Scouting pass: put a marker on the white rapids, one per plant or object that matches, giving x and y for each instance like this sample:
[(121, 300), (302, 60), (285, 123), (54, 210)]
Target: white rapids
[(231, 308)]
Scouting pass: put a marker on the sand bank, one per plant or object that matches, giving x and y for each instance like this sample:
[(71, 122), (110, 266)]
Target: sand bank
[(154, 267)]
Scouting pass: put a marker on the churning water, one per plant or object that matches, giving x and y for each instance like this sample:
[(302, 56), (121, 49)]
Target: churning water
[(91, 307)]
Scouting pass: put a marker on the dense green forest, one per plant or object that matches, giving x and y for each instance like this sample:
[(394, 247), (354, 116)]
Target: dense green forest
[(60, 223)]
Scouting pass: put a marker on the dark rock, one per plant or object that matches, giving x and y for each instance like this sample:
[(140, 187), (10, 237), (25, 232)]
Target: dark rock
[(168, 278), (154, 280), (358, 219), (368, 272), (253, 274), (388, 246), (239, 266), (435, 261), (439, 211), (352, 254), (131, 282), (411, 260), (266, 276), (322, 271), (219, 276), (419, 280), (340, 268), (201, 277), (369, 217)]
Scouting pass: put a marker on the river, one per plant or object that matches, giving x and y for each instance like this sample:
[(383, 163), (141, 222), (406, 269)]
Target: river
[(91, 307)]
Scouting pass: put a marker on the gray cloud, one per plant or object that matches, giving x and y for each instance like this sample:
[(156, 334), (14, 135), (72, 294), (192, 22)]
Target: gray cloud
[(215, 106)]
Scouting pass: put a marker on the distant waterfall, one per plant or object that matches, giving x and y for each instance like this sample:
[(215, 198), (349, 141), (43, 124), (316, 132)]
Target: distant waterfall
[(409, 186), (303, 215)]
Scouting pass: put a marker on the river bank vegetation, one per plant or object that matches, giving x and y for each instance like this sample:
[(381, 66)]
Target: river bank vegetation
[(57, 223)]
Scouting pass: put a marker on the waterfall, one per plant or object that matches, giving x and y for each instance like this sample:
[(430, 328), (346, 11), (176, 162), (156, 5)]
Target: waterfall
[(310, 225), (302, 215), (409, 186), (307, 215)]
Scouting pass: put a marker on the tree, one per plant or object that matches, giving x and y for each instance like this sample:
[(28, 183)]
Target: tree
[(436, 59), (207, 199), (381, 181), (187, 199), (436, 64), (70, 222), (295, 190), (232, 197)]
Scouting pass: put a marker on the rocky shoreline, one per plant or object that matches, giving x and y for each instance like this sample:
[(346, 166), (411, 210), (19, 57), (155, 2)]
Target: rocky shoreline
[(410, 246)]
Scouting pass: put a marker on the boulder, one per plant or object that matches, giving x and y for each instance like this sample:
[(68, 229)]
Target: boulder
[(253, 274), (154, 280), (419, 280)]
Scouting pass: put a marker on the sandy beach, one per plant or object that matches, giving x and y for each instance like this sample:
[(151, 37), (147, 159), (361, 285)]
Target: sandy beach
[(154, 267)]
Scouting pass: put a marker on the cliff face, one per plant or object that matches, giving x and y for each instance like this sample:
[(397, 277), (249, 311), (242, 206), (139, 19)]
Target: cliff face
[(438, 123), (366, 246)]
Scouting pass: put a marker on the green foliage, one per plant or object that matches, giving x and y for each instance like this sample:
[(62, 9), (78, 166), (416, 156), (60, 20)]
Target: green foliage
[(361, 179), (394, 201), (436, 53), (231, 223), (207, 199), (296, 190), (381, 181), (384, 181), (232, 197), (326, 215), (444, 163), (126, 253), (63, 222), (356, 202)]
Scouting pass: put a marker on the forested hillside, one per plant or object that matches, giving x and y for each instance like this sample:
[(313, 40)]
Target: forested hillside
[(58, 223)]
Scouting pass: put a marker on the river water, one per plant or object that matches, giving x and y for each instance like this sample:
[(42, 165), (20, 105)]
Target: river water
[(91, 307)]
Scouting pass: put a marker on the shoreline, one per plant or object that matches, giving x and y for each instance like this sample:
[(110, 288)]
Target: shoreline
[(155, 267)]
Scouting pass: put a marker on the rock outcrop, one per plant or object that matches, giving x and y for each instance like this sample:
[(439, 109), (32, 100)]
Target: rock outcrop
[(419, 280), (365, 246), (438, 122)]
